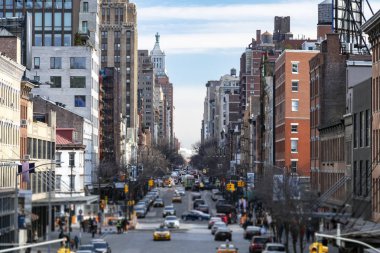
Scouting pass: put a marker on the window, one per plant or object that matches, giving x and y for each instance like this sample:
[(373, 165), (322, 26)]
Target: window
[(58, 159), (294, 105), (77, 82), (48, 21), (85, 6), (55, 62), (104, 35), (58, 179), (67, 40), (56, 81), (77, 62), (36, 62), (355, 135), (67, 22), (38, 4), (38, 21), (58, 4), (68, 4), (72, 159), (72, 182), (362, 129), (295, 85), (48, 4), (36, 78), (117, 34), (294, 128), (48, 40), (294, 145), (367, 127), (293, 167), (57, 39), (80, 101), (57, 21), (38, 39), (29, 4), (295, 67), (84, 26)]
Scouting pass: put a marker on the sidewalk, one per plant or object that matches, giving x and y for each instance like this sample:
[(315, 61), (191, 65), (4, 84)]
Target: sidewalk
[(84, 238)]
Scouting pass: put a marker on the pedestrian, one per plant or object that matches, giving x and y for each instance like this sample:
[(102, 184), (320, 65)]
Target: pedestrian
[(76, 241)]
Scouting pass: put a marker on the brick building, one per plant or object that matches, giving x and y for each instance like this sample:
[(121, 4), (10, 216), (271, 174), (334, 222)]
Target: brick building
[(292, 116)]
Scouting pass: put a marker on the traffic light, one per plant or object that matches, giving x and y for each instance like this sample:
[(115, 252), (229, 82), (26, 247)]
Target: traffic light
[(318, 247), (126, 189), (151, 182)]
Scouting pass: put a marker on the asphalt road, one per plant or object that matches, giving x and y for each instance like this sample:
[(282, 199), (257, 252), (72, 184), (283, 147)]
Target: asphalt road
[(191, 237)]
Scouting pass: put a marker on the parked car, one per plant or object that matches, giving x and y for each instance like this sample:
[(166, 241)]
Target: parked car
[(274, 248), (198, 202), (212, 221), (168, 210), (217, 225), (251, 231), (258, 242), (227, 248), (171, 221), (222, 234), (195, 215), (203, 208), (158, 202)]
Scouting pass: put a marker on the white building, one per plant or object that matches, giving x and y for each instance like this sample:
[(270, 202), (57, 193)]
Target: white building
[(158, 58), (10, 83), (69, 76)]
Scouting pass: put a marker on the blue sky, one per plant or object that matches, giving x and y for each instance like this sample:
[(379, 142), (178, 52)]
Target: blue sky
[(203, 40)]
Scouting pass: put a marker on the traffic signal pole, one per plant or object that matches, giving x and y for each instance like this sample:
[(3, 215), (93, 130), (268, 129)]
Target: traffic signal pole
[(346, 240)]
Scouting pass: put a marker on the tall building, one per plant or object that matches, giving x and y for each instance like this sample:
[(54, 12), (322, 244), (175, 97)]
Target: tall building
[(119, 50), (372, 27), (162, 80), (292, 115), (146, 87)]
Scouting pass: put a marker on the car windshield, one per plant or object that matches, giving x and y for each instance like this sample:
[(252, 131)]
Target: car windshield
[(86, 247), (260, 240), (162, 229), (276, 248), (100, 245), (171, 218), (169, 208)]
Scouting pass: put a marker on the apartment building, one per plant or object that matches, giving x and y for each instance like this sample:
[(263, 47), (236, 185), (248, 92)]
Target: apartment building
[(292, 115), (372, 27)]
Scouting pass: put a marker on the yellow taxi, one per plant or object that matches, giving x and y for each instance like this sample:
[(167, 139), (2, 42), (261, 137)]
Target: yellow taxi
[(226, 248), (162, 233)]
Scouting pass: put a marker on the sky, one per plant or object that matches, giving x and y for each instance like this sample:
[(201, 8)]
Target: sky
[(204, 39)]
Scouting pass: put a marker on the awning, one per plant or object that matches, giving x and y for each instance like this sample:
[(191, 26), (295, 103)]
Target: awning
[(63, 200)]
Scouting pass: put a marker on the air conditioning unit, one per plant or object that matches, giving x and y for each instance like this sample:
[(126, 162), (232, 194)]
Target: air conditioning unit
[(27, 157), (24, 122)]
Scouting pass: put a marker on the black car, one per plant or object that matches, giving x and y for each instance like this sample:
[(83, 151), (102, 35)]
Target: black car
[(198, 202), (203, 208), (158, 203), (223, 234), (251, 231), (195, 215), (222, 206)]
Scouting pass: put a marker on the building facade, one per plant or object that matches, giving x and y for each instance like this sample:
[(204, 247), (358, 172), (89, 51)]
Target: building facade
[(119, 50), (10, 92), (372, 28), (292, 115)]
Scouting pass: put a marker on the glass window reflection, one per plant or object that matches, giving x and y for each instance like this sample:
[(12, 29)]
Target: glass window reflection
[(38, 21), (48, 21), (57, 40), (48, 4), (38, 39), (29, 4), (38, 4), (58, 20), (67, 22), (19, 4), (67, 40), (9, 4), (58, 4), (68, 4), (48, 40)]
